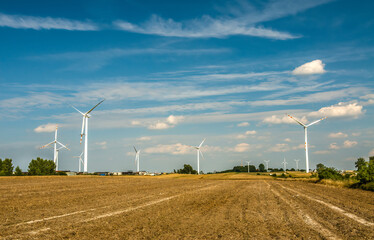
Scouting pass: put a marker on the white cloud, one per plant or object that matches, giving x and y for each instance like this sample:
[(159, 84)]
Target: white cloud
[(246, 134), (49, 127), (102, 145), (175, 149), (243, 124), (171, 121), (174, 119), (145, 138), (38, 23), (241, 136), (206, 27), (338, 135), (274, 119), (159, 126), (356, 134), (346, 144), (349, 144), (321, 152), (340, 110), (253, 132), (334, 146), (241, 19), (313, 67), (287, 140), (136, 123), (301, 146), (242, 147), (280, 147)]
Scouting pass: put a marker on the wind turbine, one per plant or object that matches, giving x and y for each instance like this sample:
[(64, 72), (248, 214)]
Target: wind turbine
[(80, 161), (248, 162), (284, 164), (306, 137), (137, 159), (198, 155), (297, 164), (85, 132), (267, 165), (57, 146)]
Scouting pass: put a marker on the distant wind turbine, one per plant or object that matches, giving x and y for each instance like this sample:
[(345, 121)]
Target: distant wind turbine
[(80, 161), (284, 164), (137, 159), (248, 162), (297, 164), (85, 133), (198, 155), (306, 137), (57, 146)]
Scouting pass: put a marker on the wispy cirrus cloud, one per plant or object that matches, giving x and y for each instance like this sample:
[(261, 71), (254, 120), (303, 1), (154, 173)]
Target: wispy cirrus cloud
[(94, 60), (242, 19), (48, 23)]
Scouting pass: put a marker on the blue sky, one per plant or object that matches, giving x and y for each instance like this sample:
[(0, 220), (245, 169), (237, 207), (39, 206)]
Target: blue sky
[(174, 73)]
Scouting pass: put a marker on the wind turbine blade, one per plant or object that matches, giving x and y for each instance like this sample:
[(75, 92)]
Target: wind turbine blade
[(316, 121), (302, 124), (201, 153), (201, 143), (95, 106), (77, 110), (135, 149), (47, 145), (63, 146)]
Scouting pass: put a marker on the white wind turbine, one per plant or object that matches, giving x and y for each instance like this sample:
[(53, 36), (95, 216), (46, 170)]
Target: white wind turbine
[(267, 165), (80, 161), (56, 148), (85, 132), (248, 162), (284, 164), (137, 159), (306, 137), (297, 164), (198, 155)]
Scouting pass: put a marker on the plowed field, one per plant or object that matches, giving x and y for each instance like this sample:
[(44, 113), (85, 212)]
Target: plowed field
[(90, 207)]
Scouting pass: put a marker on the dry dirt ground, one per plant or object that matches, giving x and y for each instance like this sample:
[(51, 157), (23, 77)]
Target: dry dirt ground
[(91, 207)]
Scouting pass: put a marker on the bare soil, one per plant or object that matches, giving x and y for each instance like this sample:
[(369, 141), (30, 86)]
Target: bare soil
[(181, 207)]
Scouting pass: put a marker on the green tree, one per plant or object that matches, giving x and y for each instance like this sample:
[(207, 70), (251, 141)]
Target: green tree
[(6, 167), (41, 167), (18, 171), (261, 167), (362, 171), (360, 163), (187, 169)]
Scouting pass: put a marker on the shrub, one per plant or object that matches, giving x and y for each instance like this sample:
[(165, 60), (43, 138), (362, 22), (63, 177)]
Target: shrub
[(328, 173)]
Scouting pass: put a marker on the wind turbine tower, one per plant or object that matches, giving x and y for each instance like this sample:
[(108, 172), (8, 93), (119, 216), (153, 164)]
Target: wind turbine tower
[(297, 164), (85, 133), (57, 146), (80, 162), (306, 137), (137, 159), (284, 164), (267, 165), (248, 162), (198, 155)]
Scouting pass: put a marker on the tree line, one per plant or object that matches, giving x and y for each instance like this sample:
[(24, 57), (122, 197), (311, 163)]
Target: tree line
[(37, 166), (364, 174)]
